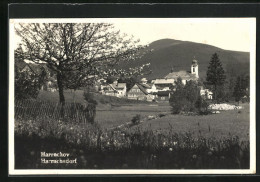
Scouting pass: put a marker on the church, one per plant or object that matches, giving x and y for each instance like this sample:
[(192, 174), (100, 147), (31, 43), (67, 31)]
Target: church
[(193, 74)]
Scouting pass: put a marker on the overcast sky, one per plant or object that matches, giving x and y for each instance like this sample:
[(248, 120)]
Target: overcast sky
[(230, 34), (225, 33)]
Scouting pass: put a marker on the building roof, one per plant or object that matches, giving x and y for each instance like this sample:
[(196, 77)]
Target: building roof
[(143, 80), (194, 62), (164, 81), (34, 68), (20, 64), (145, 85), (182, 74), (118, 86), (142, 89)]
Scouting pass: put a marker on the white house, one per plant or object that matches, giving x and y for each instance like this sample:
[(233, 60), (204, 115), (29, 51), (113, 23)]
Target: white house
[(115, 89), (163, 84), (139, 92), (206, 93), (152, 89)]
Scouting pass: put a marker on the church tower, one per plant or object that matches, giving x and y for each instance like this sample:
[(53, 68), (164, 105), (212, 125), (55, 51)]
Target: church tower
[(195, 68)]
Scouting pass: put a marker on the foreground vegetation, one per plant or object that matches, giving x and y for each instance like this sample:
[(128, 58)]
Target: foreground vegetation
[(125, 148), (155, 139)]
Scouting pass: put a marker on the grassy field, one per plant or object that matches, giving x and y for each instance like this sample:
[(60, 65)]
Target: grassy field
[(226, 123), (70, 96), (160, 141), (115, 116), (119, 112)]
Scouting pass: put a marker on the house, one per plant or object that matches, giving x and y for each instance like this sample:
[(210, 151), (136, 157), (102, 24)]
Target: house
[(144, 81), (206, 93), (115, 89), (139, 92), (30, 69), (163, 84), (149, 87), (152, 89), (186, 75)]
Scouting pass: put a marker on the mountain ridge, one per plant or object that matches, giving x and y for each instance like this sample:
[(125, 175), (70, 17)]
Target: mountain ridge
[(166, 54)]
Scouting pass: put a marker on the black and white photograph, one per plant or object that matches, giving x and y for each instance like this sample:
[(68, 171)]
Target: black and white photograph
[(132, 96)]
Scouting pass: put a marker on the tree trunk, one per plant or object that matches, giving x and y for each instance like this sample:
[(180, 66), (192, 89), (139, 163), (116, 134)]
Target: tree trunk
[(60, 86)]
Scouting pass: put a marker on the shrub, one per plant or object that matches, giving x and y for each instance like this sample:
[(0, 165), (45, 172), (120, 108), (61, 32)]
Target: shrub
[(136, 119), (90, 107), (27, 85), (162, 115), (202, 106), (89, 97), (183, 99)]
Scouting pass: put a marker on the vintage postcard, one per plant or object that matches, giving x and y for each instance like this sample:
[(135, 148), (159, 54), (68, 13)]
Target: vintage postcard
[(132, 96)]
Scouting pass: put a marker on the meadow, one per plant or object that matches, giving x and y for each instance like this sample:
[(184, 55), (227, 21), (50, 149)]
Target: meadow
[(233, 122), (160, 141)]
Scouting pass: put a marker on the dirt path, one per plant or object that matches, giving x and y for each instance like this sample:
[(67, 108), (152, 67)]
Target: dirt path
[(147, 118)]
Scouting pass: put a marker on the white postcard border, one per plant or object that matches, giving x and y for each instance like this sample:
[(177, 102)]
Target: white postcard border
[(11, 157)]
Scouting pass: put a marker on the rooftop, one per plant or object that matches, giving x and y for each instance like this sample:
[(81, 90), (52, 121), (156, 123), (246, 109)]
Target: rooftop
[(182, 74), (145, 85), (118, 86), (141, 88), (164, 81)]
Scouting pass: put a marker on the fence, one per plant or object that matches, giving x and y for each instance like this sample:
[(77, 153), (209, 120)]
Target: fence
[(32, 109)]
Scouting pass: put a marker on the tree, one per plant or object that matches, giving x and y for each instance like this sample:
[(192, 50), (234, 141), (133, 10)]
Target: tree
[(184, 97), (177, 99), (230, 87), (110, 79), (27, 84), (215, 74), (202, 105), (77, 52), (241, 88), (246, 86)]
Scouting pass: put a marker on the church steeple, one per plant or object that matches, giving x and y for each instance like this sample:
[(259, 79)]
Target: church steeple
[(195, 67), (172, 69)]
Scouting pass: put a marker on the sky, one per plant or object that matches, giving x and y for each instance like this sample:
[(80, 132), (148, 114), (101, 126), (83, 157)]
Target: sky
[(226, 33), (230, 34)]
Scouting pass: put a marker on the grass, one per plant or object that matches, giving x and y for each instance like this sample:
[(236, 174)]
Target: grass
[(72, 96), (217, 125), (112, 115), (111, 111), (32, 109), (123, 149), (217, 141)]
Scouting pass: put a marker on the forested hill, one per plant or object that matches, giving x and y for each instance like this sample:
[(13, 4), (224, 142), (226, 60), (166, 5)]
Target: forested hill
[(168, 53)]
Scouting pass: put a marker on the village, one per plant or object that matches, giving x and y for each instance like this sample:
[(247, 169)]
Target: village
[(157, 90)]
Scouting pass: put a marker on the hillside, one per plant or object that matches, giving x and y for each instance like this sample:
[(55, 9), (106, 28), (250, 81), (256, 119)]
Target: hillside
[(168, 53)]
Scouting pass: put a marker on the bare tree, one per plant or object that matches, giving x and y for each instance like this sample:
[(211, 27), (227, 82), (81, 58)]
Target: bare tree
[(77, 51)]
